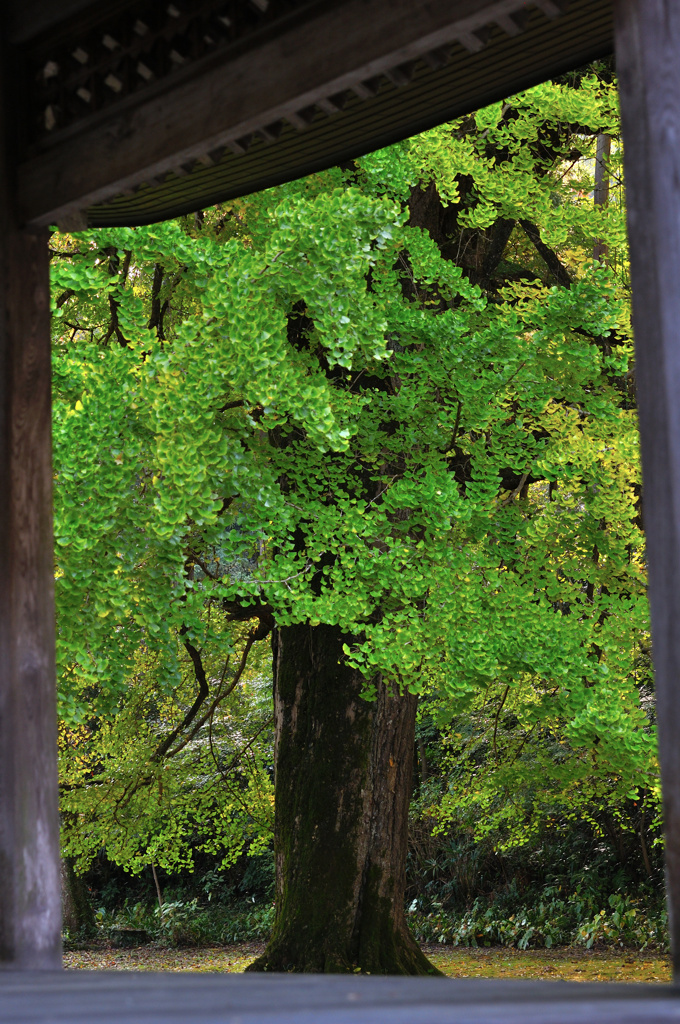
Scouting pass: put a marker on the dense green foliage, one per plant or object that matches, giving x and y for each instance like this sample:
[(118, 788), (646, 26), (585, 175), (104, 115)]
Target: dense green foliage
[(398, 398)]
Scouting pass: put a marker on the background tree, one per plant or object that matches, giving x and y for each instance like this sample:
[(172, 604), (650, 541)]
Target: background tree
[(396, 394)]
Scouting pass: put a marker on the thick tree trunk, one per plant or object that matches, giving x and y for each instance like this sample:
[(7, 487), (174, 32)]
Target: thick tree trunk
[(77, 913), (344, 770)]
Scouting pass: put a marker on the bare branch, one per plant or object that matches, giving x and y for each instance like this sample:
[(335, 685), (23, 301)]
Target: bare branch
[(202, 696)]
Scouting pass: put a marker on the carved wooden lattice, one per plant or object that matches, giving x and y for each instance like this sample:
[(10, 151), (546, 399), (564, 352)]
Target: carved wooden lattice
[(104, 64)]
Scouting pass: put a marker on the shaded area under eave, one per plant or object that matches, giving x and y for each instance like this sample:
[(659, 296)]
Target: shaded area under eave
[(506, 65)]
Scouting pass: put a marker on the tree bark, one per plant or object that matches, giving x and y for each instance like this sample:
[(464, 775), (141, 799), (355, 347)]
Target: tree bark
[(601, 192), (343, 781), (77, 914)]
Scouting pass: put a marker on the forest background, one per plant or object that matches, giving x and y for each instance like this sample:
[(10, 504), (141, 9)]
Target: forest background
[(395, 399)]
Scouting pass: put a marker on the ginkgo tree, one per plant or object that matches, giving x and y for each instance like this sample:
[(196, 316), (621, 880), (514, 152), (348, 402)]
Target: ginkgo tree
[(386, 415)]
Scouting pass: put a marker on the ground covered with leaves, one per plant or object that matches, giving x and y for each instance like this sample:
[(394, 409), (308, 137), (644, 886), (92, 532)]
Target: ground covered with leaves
[(568, 964), (152, 957)]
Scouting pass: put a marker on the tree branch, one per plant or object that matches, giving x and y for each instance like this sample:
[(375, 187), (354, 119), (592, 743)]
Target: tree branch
[(64, 297), (202, 696), (495, 724), (259, 633), (550, 258), (155, 320), (500, 235)]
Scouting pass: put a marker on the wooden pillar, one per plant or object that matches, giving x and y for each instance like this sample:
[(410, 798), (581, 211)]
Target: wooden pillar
[(648, 65), (30, 913)]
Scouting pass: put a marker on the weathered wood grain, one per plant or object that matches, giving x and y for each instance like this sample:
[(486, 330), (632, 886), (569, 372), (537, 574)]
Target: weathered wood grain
[(95, 997), (648, 65), (223, 99), (29, 826)]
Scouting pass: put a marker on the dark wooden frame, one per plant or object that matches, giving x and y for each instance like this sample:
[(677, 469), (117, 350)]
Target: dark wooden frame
[(648, 62), (178, 124), (30, 912)]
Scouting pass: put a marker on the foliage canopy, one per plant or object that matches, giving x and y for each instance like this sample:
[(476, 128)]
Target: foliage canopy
[(396, 397)]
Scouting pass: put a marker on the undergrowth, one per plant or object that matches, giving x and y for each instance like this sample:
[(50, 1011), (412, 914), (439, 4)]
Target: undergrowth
[(188, 924), (551, 921)]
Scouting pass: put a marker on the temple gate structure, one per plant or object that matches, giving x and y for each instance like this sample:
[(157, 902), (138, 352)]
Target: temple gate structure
[(133, 111)]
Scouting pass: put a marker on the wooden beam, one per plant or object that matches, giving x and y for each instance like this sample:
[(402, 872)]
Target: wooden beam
[(221, 99), (30, 913), (647, 34)]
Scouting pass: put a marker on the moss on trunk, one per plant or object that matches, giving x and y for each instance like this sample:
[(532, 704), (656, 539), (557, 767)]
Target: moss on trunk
[(343, 782)]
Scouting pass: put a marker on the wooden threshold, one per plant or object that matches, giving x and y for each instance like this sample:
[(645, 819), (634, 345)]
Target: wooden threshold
[(105, 997)]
